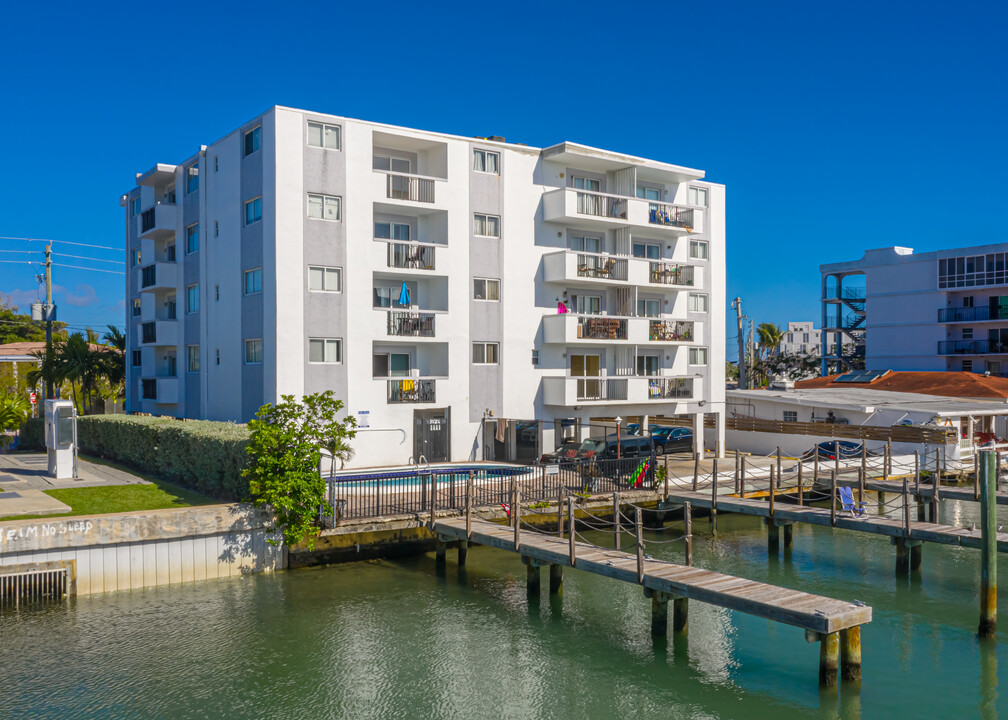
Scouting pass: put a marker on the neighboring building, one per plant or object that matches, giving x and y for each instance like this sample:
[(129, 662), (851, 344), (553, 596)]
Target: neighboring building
[(802, 337), (965, 402), (419, 275), (17, 359), (943, 310)]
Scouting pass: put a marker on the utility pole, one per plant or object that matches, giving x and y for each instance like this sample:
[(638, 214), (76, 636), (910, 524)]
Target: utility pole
[(48, 316), (749, 364), (737, 304)]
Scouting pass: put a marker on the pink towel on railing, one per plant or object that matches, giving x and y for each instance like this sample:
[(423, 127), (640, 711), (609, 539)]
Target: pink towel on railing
[(561, 308)]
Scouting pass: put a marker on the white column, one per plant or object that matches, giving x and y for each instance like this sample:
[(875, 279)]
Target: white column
[(719, 430), (698, 433)]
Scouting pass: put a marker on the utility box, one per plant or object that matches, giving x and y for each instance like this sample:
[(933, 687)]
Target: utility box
[(61, 438)]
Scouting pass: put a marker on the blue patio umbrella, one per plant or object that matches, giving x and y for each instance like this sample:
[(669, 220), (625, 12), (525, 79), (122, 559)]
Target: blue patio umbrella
[(404, 296)]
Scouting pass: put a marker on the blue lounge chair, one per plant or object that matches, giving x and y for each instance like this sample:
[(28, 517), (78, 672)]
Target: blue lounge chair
[(857, 509)]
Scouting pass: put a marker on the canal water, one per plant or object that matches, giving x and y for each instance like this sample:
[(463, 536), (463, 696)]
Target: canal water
[(392, 639)]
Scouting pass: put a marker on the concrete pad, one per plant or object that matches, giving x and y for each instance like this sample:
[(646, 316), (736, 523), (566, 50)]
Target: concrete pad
[(30, 502), (31, 469)]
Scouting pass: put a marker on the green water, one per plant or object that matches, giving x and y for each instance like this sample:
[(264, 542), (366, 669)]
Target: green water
[(391, 639)]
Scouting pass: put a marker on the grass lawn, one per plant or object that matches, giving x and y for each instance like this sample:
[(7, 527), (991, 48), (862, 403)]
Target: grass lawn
[(122, 498)]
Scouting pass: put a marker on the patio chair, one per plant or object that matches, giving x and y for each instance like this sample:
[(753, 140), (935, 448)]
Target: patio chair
[(847, 503)]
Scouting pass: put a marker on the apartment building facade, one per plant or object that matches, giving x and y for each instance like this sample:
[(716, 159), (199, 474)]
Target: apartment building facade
[(942, 310), (431, 281), (803, 337)]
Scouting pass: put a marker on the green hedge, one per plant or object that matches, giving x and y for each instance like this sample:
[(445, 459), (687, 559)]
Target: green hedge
[(200, 454), (32, 435)]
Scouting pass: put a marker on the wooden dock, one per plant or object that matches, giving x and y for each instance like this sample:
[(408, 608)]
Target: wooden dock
[(834, 623), (926, 490)]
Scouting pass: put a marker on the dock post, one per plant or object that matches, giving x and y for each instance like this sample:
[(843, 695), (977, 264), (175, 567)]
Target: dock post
[(532, 576), (861, 485), (680, 615), (836, 459), (659, 614), (433, 498), (917, 472), (936, 495), (988, 547), (779, 478), (617, 529), (468, 510), (440, 550), (800, 491), (888, 457), (516, 515), (788, 536), (463, 552), (640, 546), (570, 527), (829, 659), (906, 508), (742, 477), (850, 654), (773, 537), (736, 471), (832, 509), (688, 532), (916, 551), (976, 474), (713, 512), (556, 579), (902, 555), (696, 470), (771, 490), (885, 461), (815, 466), (560, 509), (864, 461)]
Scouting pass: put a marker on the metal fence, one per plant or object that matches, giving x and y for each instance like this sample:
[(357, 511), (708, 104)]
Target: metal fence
[(416, 491)]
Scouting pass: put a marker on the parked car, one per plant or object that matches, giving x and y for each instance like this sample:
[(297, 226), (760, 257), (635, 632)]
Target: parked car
[(672, 439), (628, 446), (571, 450), (827, 450)]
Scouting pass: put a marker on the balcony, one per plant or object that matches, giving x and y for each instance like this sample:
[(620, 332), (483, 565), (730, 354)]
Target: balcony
[(594, 269), (972, 347), (410, 256), (160, 390), (569, 391), (410, 390), (410, 324), (159, 221), (972, 314), (848, 322), (159, 332), (414, 188), (159, 276), (670, 331), (666, 273), (602, 210)]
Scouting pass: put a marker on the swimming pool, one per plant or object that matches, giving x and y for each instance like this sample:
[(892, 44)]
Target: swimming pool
[(408, 477)]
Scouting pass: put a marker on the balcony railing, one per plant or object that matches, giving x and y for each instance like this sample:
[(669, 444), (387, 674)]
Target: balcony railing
[(410, 187), (601, 266), (147, 220), (599, 205), (149, 389), (411, 256), (671, 215), (972, 347), (601, 389), (149, 332), (411, 391), (972, 314), (850, 321), (602, 328), (663, 273), (410, 324), (670, 330), (148, 276), (660, 388)]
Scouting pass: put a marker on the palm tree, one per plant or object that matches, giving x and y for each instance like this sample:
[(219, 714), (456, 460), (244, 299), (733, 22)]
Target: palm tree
[(114, 360), (78, 363), (770, 337)]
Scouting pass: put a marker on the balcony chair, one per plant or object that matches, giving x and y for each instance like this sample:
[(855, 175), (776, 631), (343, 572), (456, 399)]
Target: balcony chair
[(847, 503)]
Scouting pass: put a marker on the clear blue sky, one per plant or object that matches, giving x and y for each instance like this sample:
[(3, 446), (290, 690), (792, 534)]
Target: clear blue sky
[(835, 126)]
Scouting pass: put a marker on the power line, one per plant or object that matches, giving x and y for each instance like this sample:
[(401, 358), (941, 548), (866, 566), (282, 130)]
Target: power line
[(81, 267), (64, 242), (25, 252), (78, 257)]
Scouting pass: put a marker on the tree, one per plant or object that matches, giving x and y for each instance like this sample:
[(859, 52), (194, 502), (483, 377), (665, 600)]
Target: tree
[(79, 363), (795, 366), (14, 410), (769, 338), (18, 327), (731, 370), (113, 365), (285, 454)]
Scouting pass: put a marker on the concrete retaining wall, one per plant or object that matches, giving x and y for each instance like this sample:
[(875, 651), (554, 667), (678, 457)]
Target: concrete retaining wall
[(158, 547)]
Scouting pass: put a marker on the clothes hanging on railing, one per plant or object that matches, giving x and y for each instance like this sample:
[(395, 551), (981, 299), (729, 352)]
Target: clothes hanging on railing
[(501, 431)]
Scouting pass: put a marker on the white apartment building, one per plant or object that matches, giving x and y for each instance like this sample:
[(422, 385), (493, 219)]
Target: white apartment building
[(942, 310), (421, 276), (803, 337)]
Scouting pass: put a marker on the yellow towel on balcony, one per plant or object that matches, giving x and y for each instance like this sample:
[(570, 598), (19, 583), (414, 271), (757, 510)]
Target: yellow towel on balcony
[(406, 386)]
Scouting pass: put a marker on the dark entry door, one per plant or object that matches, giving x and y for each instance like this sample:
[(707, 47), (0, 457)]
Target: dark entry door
[(431, 435)]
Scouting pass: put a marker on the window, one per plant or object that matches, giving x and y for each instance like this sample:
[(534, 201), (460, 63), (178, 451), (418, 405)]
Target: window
[(649, 193), (698, 356), (394, 164), (698, 196), (804, 337), (252, 139), (486, 225), (324, 350), (325, 279), (218, 355), (253, 281), (967, 365), (193, 358), (135, 257), (324, 136), (192, 178), (790, 416), (253, 352), (485, 353), (587, 304), (323, 207), (698, 302), (967, 333), (136, 307), (391, 231), (584, 243), (651, 251), (967, 301), (535, 357), (647, 365), (390, 365), (253, 211), (216, 293), (583, 183), (136, 358), (192, 298), (698, 249), (215, 166), (486, 289), (486, 162), (136, 205), (648, 307), (192, 238)]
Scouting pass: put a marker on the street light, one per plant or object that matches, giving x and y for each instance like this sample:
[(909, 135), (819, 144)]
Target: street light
[(619, 421)]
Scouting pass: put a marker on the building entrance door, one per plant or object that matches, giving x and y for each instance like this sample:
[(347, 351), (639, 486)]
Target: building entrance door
[(431, 437)]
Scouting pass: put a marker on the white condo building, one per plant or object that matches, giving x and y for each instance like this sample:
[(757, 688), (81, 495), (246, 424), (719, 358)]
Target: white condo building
[(421, 277), (802, 337), (942, 310)]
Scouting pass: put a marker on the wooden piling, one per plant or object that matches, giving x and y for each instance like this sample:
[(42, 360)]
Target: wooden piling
[(788, 535), (888, 458), (696, 470), (800, 491), (463, 552), (680, 615), (440, 550), (742, 477), (850, 654), (688, 532), (864, 462), (976, 470), (987, 628), (829, 659), (659, 614), (861, 485), (713, 512), (832, 514), (770, 491), (778, 466), (906, 507), (916, 550), (556, 579), (617, 529), (468, 506), (516, 515), (917, 472), (836, 459), (773, 537), (815, 466), (532, 577), (640, 545), (902, 556), (885, 462), (570, 528)]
